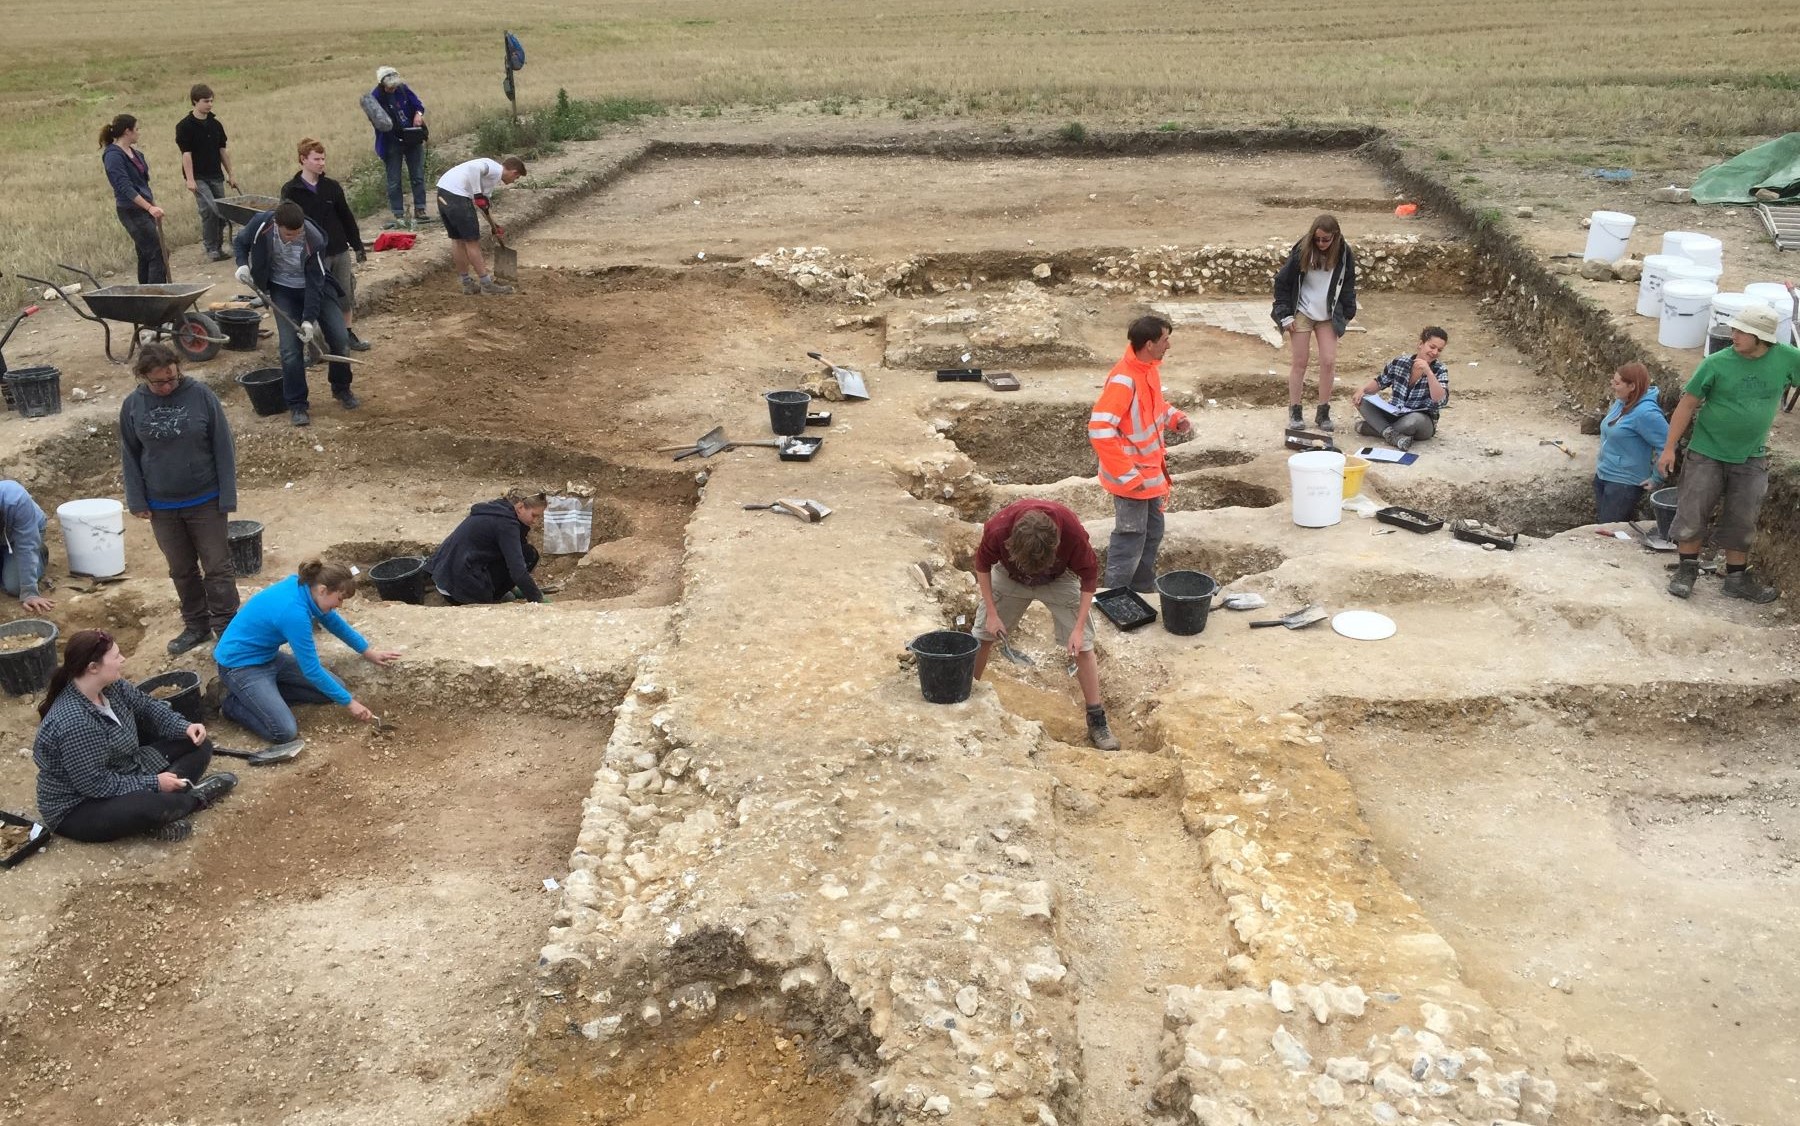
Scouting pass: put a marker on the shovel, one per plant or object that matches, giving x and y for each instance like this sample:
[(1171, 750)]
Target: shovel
[(849, 380), (810, 511), (282, 753), (707, 444), (1299, 619), (504, 263), (318, 349)]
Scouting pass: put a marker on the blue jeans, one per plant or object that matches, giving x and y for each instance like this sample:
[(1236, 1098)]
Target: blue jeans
[(415, 170), (1614, 502), (9, 568), (257, 696), (293, 352), (1131, 553)]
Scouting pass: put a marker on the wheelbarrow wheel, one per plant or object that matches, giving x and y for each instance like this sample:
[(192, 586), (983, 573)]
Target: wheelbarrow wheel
[(197, 337)]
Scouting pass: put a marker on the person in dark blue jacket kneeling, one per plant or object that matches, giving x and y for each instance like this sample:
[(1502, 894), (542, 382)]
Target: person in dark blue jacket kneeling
[(489, 556)]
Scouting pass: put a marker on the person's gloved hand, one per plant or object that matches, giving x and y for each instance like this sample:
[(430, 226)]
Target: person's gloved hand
[(243, 275), (499, 232), (361, 256), (481, 201), (309, 331)]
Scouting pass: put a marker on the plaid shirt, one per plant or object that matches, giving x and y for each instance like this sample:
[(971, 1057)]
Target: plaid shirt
[(1407, 395), (81, 755)]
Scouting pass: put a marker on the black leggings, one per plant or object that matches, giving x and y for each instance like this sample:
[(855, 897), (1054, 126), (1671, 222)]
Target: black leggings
[(142, 229), (108, 819)]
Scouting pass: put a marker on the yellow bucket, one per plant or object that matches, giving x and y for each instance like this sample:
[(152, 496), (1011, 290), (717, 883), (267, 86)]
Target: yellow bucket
[(1354, 468)]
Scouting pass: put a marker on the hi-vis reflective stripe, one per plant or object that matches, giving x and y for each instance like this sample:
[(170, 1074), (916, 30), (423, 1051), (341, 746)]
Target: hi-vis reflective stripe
[(1104, 416), (1125, 480)]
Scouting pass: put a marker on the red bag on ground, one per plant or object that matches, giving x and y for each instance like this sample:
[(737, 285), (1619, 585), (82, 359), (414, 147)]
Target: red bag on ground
[(394, 240)]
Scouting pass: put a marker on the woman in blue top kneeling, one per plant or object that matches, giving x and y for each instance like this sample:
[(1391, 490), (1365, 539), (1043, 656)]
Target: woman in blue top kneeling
[(1631, 435), (259, 682)]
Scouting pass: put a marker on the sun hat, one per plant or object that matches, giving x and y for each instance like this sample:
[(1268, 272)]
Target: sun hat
[(383, 73), (1759, 321)]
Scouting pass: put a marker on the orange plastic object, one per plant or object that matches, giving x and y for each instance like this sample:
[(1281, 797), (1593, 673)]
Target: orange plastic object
[(1407, 210)]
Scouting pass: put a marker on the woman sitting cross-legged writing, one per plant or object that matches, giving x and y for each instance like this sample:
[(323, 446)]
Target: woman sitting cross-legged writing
[(96, 780), (258, 681)]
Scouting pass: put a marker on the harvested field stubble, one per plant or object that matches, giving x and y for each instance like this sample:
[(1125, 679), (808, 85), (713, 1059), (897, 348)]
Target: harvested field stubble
[(1528, 70)]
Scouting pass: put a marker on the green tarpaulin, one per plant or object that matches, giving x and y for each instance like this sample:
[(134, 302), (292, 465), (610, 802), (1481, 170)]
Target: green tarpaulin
[(1775, 165)]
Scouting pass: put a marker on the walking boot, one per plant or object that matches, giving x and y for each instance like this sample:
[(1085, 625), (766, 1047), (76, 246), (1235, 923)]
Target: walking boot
[(489, 285), (1740, 584), (1099, 734), (172, 832), (1296, 420), (470, 286), (213, 787), (1396, 439), (357, 343), (189, 638), (1322, 418), (1687, 573)]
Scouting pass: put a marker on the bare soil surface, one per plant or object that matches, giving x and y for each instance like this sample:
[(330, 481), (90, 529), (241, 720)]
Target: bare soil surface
[(954, 912)]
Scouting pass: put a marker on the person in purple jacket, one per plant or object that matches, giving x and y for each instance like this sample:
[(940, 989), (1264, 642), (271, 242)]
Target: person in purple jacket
[(403, 144)]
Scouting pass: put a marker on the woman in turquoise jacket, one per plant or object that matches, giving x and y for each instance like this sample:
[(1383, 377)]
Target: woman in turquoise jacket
[(259, 682), (1631, 435)]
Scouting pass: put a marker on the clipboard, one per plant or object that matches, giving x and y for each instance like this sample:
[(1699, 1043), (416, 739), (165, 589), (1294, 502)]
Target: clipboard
[(1392, 457)]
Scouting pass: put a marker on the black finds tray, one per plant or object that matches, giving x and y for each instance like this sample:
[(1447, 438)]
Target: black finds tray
[(40, 836), (818, 418), (959, 375), (801, 449), (1125, 608), (1409, 518), (1469, 531)]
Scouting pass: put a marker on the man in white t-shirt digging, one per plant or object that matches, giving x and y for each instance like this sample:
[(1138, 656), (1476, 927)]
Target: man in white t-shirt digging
[(460, 192)]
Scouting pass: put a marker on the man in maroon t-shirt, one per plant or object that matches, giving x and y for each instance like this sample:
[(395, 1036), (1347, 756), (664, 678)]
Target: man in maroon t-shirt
[(1043, 555)]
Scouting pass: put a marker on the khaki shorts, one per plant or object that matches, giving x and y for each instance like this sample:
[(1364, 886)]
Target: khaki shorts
[(1703, 482), (1062, 595), (343, 269), (1303, 324)]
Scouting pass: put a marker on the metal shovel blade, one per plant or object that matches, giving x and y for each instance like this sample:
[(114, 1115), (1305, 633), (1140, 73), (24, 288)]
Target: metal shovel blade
[(505, 262), (1299, 619), (707, 444), (850, 381)]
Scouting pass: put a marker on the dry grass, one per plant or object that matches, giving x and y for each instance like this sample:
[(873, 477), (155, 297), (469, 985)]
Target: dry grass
[(1588, 74)]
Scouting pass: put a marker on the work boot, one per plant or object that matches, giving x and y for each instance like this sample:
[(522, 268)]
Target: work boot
[(300, 416), (398, 223), (490, 286), (1687, 573), (1367, 431), (189, 638), (172, 832), (1099, 734), (1296, 420), (1396, 439), (357, 343), (213, 787), (347, 399), (1322, 418), (470, 286), (1740, 584)]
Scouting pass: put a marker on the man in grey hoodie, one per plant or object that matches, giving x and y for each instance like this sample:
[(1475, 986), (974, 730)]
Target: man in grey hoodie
[(181, 475)]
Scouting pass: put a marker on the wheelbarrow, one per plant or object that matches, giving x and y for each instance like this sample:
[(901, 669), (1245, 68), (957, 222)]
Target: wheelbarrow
[(152, 311), (240, 209)]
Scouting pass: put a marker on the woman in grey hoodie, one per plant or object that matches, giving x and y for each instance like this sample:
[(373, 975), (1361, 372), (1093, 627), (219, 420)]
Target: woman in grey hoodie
[(181, 475)]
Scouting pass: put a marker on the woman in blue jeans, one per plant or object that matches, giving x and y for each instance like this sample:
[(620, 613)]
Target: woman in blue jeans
[(258, 682), (1631, 435), (403, 145)]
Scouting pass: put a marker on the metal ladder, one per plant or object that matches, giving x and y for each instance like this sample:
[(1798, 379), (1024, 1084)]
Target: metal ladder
[(1782, 221)]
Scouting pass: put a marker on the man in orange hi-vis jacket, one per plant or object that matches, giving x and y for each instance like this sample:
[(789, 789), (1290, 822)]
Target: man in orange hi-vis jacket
[(1126, 429)]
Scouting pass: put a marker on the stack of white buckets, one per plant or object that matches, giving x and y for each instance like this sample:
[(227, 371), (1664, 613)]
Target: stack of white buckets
[(1680, 286)]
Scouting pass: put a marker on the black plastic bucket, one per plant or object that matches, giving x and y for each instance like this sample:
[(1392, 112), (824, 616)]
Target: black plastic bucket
[(25, 671), (245, 538), (1186, 600), (787, 411), (187, 701), (400, 579), (1662, 502), (946, 665), (35, 392), (264, 388), (241, 326)]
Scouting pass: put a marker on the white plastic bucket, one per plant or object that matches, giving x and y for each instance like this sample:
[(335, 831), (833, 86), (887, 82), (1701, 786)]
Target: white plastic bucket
[(1726, 306), (1687, 306), (1609, 233), (1672, 241), (1776, 297), (1704, 249), (1317, 480), (1687, 270), (94, 531), (1656, 272)]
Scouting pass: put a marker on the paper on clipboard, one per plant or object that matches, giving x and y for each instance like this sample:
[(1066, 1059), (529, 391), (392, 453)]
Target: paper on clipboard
[(1377, 453), (1383, 405)]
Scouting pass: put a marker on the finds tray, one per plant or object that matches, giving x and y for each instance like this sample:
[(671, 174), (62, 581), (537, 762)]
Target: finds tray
[(959, 375), (818, 418), (36, 837), (800, 449), (1473, 531), (1001, 380), (1125, 608), (1409, 518)]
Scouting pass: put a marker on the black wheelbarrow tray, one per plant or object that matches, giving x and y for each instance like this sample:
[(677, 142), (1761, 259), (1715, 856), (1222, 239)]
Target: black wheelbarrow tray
[(156, 311), (240, 209)]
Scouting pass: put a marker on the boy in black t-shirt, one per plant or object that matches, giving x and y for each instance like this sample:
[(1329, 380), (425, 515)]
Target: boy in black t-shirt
[(206, 166)]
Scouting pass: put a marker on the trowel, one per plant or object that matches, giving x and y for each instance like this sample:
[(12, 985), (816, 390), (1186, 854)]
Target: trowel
[(810, 511), (1299, 619), (849, 380)]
